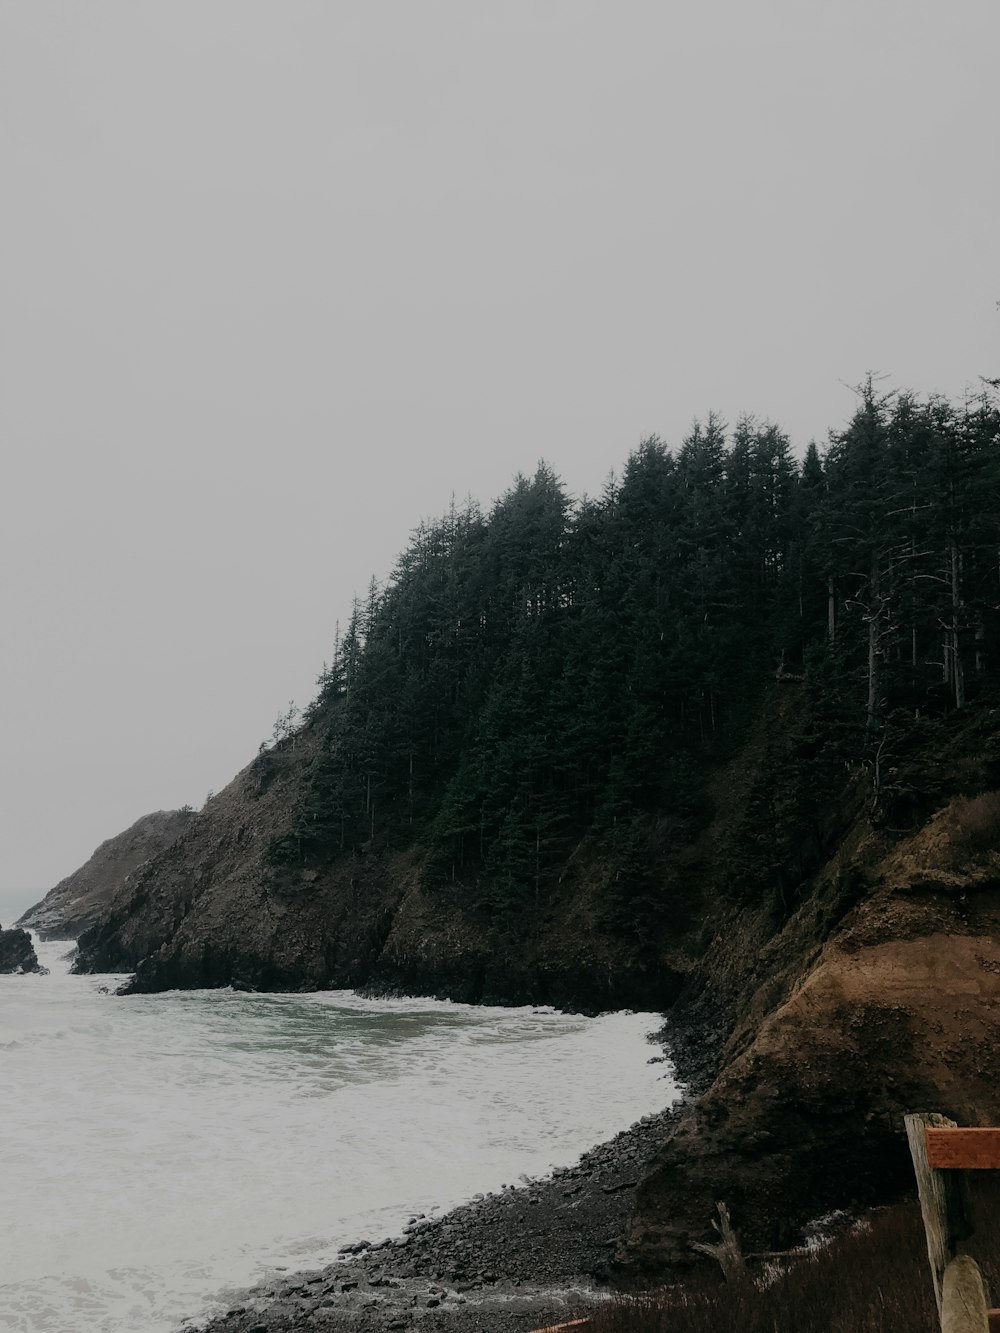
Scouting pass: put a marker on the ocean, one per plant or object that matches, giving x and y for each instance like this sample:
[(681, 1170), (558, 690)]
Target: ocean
[(160, 1153)]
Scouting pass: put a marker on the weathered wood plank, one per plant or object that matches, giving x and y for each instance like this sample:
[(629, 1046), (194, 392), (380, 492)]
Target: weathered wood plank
[(994, 1317), (963, 1149), (963, 1298), (934, 1200)]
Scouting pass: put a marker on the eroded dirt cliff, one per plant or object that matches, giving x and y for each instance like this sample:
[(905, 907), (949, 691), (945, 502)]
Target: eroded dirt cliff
[(878, 994)]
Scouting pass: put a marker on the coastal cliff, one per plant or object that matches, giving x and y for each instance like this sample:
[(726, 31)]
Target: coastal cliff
[(725, 744), (213, 911), (813, 1016), (75, 902)]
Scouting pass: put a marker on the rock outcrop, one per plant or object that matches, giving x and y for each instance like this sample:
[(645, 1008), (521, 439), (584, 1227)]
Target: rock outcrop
[(211, 911), (77, 901), (17, 953)]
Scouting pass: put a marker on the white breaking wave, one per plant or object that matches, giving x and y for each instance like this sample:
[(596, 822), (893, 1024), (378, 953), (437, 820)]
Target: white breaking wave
[(157, 1153)]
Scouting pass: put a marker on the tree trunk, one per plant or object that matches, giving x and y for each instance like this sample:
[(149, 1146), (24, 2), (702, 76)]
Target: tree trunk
[(538, 863), (874, 625), (957, 668)]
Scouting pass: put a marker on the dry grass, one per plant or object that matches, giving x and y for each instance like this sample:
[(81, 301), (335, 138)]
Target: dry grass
[(973, 822), (874, 1279)]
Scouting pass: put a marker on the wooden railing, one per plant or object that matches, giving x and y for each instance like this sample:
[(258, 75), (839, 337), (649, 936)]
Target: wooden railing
[(942, 1154)]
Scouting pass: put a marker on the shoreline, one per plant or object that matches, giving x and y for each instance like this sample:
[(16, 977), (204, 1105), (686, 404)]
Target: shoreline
[(521, 1259)]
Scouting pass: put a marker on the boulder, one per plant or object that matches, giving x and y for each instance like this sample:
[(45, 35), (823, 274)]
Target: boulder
[(17, 953)]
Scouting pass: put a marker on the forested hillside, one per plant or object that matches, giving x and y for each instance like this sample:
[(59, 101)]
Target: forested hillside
[(549, 670), (527, 719)]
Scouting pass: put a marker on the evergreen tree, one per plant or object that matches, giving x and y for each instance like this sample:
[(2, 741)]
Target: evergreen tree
[(549, 672)]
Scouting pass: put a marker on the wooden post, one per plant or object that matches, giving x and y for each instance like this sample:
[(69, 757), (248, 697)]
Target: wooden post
[(958, 1285), (933, 1204), (964, 1299)]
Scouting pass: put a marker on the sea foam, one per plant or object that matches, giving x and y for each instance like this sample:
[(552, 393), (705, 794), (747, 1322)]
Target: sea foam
[(160, 1152)]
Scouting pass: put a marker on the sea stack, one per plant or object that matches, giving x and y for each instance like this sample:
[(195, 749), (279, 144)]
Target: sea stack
[(17, 953)]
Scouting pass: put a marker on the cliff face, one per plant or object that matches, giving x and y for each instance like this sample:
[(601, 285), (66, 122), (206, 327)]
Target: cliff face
[(820, 987), (76, 901), (17, 953), (211, 910)]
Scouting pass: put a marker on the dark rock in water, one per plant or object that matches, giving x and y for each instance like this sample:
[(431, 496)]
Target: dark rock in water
[(17, 953)]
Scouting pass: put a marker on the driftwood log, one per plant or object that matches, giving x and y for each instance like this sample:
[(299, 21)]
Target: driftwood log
[(727, 1249)]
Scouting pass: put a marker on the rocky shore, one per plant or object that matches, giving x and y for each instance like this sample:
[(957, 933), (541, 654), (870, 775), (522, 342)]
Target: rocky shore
[(534, 1254)]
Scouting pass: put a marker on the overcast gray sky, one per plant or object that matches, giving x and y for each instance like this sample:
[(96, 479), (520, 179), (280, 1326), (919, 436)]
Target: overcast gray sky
[(279, 277)]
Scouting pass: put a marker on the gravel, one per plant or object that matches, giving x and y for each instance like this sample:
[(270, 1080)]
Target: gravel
[(516, 1260)]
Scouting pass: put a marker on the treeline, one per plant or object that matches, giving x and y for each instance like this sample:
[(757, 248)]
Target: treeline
[(548, 669)]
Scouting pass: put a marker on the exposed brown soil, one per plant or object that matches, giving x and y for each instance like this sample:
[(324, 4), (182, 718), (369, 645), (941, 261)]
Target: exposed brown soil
[(809, 1116), (879, 995)]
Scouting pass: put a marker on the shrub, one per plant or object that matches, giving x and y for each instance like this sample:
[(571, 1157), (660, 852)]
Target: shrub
[(873, 1279), (974, 822)]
